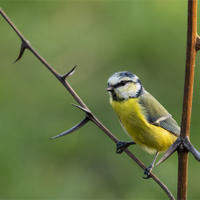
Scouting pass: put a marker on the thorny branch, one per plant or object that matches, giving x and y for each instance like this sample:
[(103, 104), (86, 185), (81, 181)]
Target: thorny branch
[(89, 115)]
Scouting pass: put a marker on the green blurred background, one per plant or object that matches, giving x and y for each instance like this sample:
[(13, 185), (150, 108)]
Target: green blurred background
[(101, 37)]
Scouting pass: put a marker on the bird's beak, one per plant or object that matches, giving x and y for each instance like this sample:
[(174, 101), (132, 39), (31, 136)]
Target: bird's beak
[(109, 88)]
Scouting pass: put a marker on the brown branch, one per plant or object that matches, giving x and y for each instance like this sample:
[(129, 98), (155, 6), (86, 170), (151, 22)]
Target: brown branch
[(89, 115), (188, 94), (189, 69), (182, 144)]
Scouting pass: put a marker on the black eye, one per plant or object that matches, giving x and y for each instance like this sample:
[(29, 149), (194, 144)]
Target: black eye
[(123, 83)]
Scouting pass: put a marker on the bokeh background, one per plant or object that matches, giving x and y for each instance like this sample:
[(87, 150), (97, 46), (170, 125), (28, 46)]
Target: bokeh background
[(101, 37)]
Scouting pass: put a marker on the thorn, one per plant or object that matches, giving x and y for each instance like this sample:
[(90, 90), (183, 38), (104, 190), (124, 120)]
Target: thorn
[(69, 73), (88, 113), (188, 145), (170, 151), (22, 49), (83, 109), (181, 144), (76, 127)]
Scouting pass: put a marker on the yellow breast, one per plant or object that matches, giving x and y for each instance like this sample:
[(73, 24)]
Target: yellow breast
[(132, 118)]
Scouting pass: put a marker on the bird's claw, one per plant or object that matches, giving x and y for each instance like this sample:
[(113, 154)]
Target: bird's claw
[(120, 145), (147, 172)]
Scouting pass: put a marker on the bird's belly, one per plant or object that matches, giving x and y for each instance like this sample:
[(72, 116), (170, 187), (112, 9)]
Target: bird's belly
[(150, 137)]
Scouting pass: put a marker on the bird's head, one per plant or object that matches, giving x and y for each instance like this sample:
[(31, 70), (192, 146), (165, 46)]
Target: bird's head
[(124, 85)]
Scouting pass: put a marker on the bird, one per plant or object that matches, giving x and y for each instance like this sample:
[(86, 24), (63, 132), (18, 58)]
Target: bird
[(141, 116)]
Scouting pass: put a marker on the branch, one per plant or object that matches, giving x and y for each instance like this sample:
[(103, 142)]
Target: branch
[(182, 144), (89, 115)]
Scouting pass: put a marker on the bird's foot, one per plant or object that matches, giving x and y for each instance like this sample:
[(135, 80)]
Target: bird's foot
[(120, 145), (147, 172)]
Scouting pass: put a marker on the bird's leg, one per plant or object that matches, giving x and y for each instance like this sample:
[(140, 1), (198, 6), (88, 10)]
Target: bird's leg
[(120, 145), (148, 170)]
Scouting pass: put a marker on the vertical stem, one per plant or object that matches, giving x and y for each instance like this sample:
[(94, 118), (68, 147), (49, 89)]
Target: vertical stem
[(188, 94), (189, 69), (182, 174)]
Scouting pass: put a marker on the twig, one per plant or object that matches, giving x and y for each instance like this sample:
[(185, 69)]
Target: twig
[(89, 115)]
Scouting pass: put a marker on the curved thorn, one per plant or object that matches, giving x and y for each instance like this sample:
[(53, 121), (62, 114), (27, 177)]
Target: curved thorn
[(83, 109), (188, 145), (76, 127), (69, 73), (170, 151), (22, 49), (88, 113)]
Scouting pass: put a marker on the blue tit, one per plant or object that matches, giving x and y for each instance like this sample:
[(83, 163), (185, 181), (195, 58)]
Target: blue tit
[(142, 117)]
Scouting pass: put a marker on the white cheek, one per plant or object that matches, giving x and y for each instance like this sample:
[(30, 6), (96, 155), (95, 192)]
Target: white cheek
[(128, 91), (123, 92), (138, 87)]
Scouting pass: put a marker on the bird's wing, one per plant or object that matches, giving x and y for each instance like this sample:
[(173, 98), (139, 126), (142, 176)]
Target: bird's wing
[(157, 115)]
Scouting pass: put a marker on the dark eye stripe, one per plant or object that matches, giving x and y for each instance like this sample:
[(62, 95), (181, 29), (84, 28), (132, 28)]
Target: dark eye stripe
[(122, 83)]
